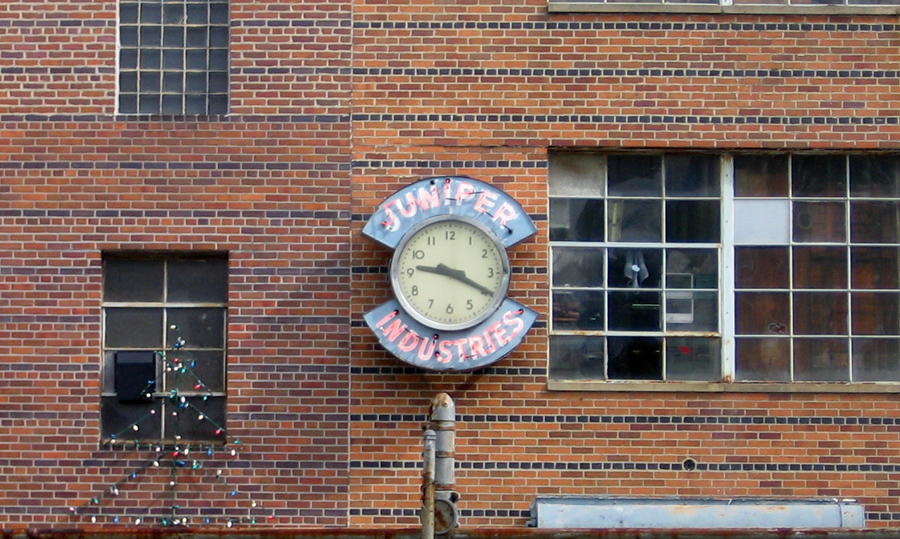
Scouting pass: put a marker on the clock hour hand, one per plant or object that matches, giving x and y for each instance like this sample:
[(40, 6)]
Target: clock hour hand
[(459, 275)]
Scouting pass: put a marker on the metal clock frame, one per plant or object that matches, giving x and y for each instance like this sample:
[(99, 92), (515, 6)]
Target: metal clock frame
[(502, 291)]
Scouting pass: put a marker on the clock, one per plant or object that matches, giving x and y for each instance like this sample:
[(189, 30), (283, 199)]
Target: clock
[(450, 272)]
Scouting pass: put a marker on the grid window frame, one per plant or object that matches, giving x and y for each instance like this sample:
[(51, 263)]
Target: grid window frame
[(173, 57), (148, 309), (871, 302)]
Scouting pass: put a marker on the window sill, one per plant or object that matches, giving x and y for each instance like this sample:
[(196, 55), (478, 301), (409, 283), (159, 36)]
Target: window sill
[(718, 387), (591, 6)]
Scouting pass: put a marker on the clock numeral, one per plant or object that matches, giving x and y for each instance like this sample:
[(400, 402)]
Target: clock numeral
[(418, 254), (469, 304), (430, 303), (410, 271), (490, 273), (484, 253), (430, 240), (449, 308), (414, 291), (450, 235)]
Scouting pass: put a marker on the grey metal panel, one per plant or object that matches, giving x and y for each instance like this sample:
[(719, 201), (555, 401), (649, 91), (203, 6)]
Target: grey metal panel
[(674, 513)]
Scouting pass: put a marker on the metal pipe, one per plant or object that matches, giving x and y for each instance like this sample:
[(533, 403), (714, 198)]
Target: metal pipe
[(428, 486), (443, 423)]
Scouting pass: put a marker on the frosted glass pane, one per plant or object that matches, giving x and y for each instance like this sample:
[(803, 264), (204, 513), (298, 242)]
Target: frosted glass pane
[(762, 222), (577, 174)]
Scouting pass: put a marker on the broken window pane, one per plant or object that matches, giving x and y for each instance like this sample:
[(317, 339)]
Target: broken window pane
[(635, 358), (762, 313), (634, 311), (576, 219), (692, 221)]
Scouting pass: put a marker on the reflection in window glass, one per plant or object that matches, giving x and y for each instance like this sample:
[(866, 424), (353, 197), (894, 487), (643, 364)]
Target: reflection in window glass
[(693, 358), (577, 357), (173, 314), (821, 360), (763, 359), (634, 175), (876, 360), (812, 243), (819, 222), (761, 175)]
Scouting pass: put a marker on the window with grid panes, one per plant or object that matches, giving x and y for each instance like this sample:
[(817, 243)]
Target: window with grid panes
[(691, 267), (155, 388), (173, 57)]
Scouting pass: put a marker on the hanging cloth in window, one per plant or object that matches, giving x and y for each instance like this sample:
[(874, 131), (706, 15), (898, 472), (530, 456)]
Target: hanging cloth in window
[(635, 268)]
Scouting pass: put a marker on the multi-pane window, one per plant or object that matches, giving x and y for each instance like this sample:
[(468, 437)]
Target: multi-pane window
[(714, 268), (164, 335), (173, 57)]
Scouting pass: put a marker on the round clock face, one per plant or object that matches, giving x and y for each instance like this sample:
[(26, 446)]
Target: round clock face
[(450, 273)]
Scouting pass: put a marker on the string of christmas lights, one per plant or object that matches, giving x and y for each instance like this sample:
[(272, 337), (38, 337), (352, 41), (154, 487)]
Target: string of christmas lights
[(173, 509)]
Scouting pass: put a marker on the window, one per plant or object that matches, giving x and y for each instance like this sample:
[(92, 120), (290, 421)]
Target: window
[(173, 57), (164, 348), (691, 267)]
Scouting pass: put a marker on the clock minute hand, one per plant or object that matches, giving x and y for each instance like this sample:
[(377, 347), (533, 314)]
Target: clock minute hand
[(459, 275)]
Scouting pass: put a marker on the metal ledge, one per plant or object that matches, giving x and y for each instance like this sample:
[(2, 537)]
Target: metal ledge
[(592, 6), (718, 387)]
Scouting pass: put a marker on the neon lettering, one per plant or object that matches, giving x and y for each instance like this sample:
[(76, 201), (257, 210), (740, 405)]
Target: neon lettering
[(517, 324), (485, 201), (505, 213), (393, 331), (464, 191), (409, 342), (476, 343), (426, 352), (444, 354)]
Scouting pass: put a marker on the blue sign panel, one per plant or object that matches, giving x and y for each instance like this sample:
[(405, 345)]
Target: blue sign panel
[(451, 351), (457, 195)]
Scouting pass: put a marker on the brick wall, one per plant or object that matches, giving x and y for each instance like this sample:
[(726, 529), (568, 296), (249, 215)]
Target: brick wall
[(333, 107)]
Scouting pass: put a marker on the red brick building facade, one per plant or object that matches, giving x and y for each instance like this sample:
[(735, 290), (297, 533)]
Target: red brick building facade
[(333, 106)]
